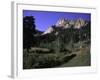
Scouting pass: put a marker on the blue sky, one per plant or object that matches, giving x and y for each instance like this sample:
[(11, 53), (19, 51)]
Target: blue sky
[(44, 19)]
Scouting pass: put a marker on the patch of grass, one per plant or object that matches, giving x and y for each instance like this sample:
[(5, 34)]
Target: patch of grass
[(35, 60)]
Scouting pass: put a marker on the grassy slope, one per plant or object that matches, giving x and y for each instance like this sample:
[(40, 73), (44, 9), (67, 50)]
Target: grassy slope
[(82, 59)]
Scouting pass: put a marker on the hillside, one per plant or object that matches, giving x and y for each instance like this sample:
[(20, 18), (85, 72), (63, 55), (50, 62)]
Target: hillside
[(82, 59)]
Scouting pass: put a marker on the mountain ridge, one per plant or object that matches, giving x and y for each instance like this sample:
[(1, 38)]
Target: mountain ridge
[(65, 23)]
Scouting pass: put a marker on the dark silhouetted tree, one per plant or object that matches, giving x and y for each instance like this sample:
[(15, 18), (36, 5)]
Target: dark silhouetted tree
[(28, 31)]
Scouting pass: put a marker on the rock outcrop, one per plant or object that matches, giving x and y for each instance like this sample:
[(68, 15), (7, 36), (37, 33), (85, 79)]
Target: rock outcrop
[(65, 23)]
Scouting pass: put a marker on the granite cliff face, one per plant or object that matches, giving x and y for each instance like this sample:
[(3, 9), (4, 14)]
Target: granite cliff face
[(65, 23), (78, 23)]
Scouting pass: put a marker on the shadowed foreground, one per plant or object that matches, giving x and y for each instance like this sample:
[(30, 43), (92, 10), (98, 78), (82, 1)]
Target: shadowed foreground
[(80, 57)]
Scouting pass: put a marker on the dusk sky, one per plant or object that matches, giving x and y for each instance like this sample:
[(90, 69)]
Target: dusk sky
[(44, 19)]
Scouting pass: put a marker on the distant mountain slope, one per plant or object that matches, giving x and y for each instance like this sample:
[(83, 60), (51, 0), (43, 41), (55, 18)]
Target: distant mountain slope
[(64, 24)]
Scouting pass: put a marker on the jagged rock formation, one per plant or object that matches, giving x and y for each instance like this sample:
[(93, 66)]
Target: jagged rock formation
[(80, 23), (64, 23)]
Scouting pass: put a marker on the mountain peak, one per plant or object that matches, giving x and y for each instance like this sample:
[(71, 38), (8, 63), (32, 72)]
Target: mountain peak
[(65, 23), (49, 30), (79, 23), (62, 22)]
